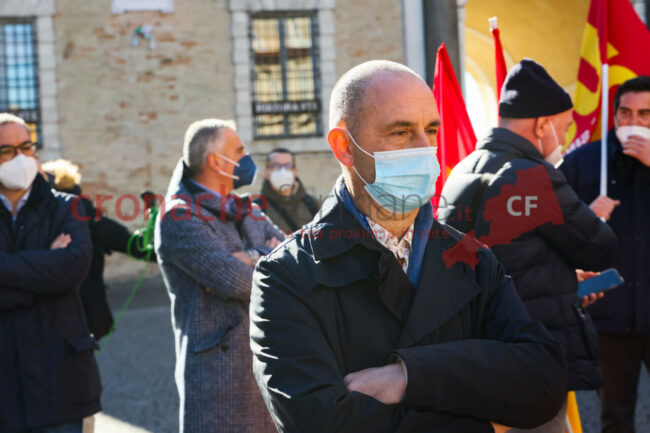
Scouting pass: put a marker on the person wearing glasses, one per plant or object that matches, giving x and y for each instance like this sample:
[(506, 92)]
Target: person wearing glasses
[(283, 195), (49, 380)]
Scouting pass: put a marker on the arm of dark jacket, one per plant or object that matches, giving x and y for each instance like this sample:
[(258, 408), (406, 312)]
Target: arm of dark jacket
[(51, 271), (14, 298), (188, 243), (583, 239), (515, 375), (114, 236), (299, 378)]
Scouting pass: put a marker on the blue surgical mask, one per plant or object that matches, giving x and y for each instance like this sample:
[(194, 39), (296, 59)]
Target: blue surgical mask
[(244, 173), (404, 179)]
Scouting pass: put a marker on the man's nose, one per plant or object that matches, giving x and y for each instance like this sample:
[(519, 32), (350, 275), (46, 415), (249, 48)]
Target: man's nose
[(420, 139)]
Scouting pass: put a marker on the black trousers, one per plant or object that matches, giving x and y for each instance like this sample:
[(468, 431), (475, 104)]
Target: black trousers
[(621, 357)]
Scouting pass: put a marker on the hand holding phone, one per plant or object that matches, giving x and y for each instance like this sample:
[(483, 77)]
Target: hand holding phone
[(606, 280)]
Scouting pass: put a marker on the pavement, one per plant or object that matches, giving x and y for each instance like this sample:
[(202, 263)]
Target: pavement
[(137, 368)]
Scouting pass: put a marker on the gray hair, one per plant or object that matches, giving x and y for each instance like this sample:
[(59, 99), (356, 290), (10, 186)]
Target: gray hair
[(201, 138), (6, 118), (346, 102)]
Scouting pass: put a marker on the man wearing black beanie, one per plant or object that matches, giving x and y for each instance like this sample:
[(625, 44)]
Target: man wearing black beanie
[(509, 195)]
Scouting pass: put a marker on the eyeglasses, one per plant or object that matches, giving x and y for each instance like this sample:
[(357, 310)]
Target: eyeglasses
[(276, 166), (7, 151)]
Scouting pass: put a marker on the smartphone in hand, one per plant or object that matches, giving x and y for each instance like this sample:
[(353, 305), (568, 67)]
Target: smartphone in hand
[(606, 280)]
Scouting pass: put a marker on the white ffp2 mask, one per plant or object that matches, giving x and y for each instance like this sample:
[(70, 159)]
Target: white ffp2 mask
[(19, 172)]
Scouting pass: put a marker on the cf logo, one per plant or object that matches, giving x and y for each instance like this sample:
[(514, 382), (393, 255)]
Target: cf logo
[(530, 202)]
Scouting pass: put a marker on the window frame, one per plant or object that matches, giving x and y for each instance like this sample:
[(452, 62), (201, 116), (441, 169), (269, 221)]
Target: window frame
[(312, 15), (32, 116)]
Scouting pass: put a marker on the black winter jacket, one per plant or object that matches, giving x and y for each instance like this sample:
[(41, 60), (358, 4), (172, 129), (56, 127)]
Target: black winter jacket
[(626, 309), (334, 301), (540, 240), (48, 374)]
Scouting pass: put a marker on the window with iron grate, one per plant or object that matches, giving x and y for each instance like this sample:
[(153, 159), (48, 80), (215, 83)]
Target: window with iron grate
[(19, 86), (286, 76)]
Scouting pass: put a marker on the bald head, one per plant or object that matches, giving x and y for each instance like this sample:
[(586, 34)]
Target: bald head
[(348, 95)]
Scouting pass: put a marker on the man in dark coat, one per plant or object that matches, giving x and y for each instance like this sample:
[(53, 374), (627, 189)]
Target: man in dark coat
[(49, 379), (284, 198), (207, 239), (363, 323), (512, 198), (107, 236), (623, 317)]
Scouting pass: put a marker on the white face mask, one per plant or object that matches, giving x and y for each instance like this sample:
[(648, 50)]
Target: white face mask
[(19, 172), (554, 158), (625, 132), (281, 179)]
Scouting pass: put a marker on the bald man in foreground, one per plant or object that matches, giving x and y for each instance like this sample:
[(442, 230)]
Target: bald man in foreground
[(358, 324)]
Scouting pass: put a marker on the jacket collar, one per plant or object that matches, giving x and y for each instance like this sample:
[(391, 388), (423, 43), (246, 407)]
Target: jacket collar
[(504, 140), (442, 291), (335, 231), (40, 204), (182, 188)]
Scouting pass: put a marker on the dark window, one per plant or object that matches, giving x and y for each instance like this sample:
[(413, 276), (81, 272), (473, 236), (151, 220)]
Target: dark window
[(19, 71), (286, 79)]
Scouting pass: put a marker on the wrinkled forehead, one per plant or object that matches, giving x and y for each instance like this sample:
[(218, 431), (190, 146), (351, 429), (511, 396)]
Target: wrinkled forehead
[(13, 133), (399, 97)]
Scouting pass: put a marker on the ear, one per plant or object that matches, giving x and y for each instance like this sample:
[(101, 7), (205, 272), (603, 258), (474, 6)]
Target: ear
[(539, 127), (341, 145), (213, 163)]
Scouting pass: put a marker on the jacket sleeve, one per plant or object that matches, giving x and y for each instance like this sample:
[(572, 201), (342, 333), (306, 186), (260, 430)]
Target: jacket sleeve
[(270, 229), (185, 241), (514, 375), (13, 298), (113, 236), (51, 271), (299, 378), (583, 239)]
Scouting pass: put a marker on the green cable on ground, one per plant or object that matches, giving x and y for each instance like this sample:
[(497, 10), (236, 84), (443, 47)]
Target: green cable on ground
[(143, 246)]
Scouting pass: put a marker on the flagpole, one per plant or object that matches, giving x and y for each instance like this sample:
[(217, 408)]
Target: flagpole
[(604, 122)]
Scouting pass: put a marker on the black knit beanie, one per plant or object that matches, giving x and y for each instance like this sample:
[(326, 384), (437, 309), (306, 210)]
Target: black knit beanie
[(529, 91)]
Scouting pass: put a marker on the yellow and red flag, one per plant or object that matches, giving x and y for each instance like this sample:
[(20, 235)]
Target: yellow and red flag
[(456, 138), (614, 35)]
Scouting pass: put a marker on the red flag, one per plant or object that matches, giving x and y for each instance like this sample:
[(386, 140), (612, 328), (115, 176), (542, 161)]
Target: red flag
[(615, 35), (456, 138), (499, 60)]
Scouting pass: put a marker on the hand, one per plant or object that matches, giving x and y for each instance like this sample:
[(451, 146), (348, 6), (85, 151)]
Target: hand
[(498, 428), (61, 241), (639, 148), (593, 297), (243, 256), (603, 206), (386, 384), (273, 242)]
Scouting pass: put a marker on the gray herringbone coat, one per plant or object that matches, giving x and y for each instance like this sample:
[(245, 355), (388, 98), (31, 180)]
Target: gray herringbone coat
[(210, 291)]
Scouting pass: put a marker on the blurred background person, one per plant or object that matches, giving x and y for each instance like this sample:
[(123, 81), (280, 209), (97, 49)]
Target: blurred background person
[(208, 241), (542, 247), (623, 319), (49, 380), (108, 236), (287, 203)]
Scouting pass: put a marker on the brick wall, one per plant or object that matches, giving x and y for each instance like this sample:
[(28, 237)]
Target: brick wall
[(123, 110)]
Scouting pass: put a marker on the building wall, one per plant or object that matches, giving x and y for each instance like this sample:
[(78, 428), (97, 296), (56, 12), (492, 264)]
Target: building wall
[(123, 110)]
